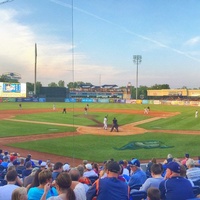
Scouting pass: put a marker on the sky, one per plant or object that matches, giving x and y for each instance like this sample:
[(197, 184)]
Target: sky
[(95, 40)]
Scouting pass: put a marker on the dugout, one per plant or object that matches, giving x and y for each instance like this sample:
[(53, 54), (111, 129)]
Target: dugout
[(54, 94)]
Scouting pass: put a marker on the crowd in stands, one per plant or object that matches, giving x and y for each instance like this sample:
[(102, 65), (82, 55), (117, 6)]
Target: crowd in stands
[(171, 179)]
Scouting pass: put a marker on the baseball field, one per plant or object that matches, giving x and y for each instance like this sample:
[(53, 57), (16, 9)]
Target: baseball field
[(72, 137)]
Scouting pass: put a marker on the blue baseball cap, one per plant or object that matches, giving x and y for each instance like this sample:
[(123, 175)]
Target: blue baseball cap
[(174, 166), (135, 162)]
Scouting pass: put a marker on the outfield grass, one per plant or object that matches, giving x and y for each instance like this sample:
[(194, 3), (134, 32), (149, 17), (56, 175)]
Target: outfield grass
[(99, 148), (9, 129)]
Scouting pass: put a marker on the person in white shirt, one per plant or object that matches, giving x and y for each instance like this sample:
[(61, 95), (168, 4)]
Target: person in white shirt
[(89, 171), (105, 122), (6, 190), (192, 173)]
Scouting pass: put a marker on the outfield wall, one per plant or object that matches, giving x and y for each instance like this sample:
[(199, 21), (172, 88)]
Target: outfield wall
[(90, 100)]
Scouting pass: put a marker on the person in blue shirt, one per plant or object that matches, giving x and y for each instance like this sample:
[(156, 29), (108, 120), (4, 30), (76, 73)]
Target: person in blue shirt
[(138, 176), (175, 187), (110, 187), (35, 193)]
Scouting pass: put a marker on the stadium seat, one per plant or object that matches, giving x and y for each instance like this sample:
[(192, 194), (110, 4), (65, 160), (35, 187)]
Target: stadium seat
[(19, 172), (138, 195), (93, 178), (135, 187), (196, 190), (197, 183)]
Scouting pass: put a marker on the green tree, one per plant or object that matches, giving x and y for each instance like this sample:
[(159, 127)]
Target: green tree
[(52, 84), (159, 87), (5, 78), (30, 88), (61, 83)]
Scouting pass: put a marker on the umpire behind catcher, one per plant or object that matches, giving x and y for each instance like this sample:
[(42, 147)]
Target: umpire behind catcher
[(114, 125)]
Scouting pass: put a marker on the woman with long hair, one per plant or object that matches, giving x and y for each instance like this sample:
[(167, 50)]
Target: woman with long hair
[(63, 185)]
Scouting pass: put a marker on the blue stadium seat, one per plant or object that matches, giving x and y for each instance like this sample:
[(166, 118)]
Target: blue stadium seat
[(138, 195), (197, 183), (135, 187), (196, 190), (93, 178)]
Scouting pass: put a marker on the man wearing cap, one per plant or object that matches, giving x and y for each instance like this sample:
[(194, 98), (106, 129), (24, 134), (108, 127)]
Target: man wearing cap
[(109, 187), (66, 167), (175, 187), (89, 171), (138, 175)]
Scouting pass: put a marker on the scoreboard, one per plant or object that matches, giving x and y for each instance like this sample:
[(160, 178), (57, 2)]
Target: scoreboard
[(12, 89)]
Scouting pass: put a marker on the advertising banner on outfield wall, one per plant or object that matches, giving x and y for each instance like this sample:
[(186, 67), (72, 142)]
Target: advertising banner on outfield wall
[(87, 100), (144, 101), (70, 100), (103, 100), (157, 102), (167, 92), (26, 99), (131, 101), (194, 103), (194, 93)]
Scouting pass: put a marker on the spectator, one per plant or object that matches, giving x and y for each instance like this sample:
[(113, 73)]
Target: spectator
[(95, 167), (5, 161), (63, 185), (29, 179), (43, 165), (153, 194), (138, 176), (28, 158), (28, 169), (103, 172), (18, 181), (1, 154), (21, 165), (89, 171), (12, 158), (156, 171), (35, 182), (125, 168), (19, 193), (109, 187), (57, 169), (84, 162), (86, 181), (175, 187), (6, 190), (78, 187), (66, 167), (187, 156), (148, 171), (35, 193), (193, 173)]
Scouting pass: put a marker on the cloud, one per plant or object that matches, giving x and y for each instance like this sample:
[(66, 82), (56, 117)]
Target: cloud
[(193, 41)]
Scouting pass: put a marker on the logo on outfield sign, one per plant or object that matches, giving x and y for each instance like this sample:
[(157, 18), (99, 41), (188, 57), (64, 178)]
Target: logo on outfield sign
[(150, 144)]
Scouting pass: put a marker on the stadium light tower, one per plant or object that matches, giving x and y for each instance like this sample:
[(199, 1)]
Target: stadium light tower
[(137, 59)]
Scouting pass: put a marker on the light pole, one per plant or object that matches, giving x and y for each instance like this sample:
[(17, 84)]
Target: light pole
[(137, 59)]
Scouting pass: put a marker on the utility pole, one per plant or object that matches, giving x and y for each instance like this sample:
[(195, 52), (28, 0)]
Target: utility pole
[(35, 75), (137, 59)]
